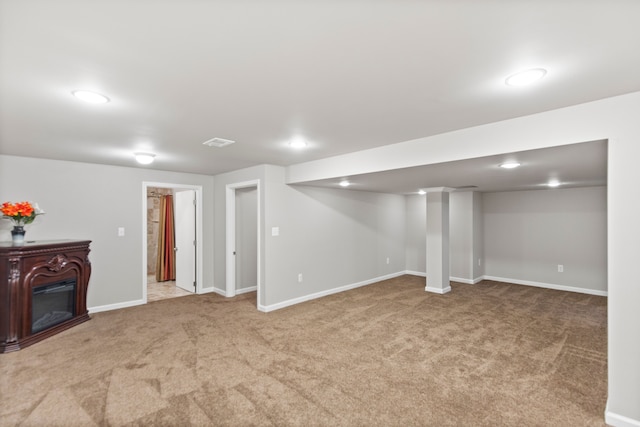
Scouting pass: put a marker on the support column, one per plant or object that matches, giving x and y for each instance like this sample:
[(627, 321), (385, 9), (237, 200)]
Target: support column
[(438, 240)]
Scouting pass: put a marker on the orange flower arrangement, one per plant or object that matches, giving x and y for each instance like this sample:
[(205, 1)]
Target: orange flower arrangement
[(20, 213)]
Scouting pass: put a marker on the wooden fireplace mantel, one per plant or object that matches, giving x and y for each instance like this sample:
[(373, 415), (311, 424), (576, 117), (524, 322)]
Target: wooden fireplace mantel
[(34, 264)]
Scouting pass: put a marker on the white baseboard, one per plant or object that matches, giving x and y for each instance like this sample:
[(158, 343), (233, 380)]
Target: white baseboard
[(272, 307), (293, 301), (516, 282), (217, 291), (415, 273), (224, 293), (467, 281), (547, 286), (452, 279), (116, 306), (210, 290), (246, 290), (119, 305), (438, 290), (617, 420)]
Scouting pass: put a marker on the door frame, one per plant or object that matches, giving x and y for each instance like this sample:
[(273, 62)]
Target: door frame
[(198, 190), (230, 290)]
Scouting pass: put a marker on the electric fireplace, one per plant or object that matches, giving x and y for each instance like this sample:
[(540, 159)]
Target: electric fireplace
[(43, 290), (52, 304)]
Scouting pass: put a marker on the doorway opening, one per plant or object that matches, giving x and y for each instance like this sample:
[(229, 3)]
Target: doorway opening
[(172, 243), (243, 231)]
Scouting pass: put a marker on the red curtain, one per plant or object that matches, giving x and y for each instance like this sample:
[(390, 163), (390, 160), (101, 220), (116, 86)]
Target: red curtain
[(166, 265)]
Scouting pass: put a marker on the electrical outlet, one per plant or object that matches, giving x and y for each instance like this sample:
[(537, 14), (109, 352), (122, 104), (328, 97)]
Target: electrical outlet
[(479, 262), (387, 260), (120, 231), (300, 278), (560, 268)]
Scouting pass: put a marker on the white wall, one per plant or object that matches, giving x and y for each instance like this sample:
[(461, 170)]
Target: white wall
[(520, 237), (466, 236), (416, 233), (89, 201), (529, 233), (333, 238), (461, 234)]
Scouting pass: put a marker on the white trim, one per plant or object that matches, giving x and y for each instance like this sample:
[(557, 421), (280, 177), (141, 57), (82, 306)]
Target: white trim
[(246, 290), (518, 282), (452, 279), (618, 420), (199, 232), (209, 290), (467, 281), (287, 303), (415, 273), (441, 291), (217, 291), (230, 222), (548, 286), (116, 306)]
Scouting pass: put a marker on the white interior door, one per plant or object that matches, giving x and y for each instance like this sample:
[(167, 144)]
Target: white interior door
[(185, 225)]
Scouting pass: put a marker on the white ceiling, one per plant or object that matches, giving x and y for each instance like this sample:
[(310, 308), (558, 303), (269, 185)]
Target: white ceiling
[(345, 75)]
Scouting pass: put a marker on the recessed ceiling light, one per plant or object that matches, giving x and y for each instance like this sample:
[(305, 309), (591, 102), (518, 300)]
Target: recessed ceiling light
[(509, 165), (526, 77), (553, 183), (298, 142), (145, 158), (422, 192), (90, 97), (344, 183)]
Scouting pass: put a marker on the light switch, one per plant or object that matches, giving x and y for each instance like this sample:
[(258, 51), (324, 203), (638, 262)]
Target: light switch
[(120, 231), (275, 231)]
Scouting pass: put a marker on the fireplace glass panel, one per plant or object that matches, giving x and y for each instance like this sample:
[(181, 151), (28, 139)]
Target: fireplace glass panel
[(52, 304)]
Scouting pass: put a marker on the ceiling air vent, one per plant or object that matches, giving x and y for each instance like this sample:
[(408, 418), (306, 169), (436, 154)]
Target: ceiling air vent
[(218, 142)]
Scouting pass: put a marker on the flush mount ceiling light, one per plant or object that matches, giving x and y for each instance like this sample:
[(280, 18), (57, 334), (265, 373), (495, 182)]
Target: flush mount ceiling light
[(553, 183), (344, 183), (90, 97), (144, 158), (298, 143), (422, 192), (509, 165), (526, 77), (218, 142)]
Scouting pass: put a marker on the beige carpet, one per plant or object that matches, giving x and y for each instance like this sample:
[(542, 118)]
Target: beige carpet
[(388, 354)]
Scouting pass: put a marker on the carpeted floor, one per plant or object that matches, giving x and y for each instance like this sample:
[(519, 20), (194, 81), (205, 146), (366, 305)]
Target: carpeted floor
[(387, 354)]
